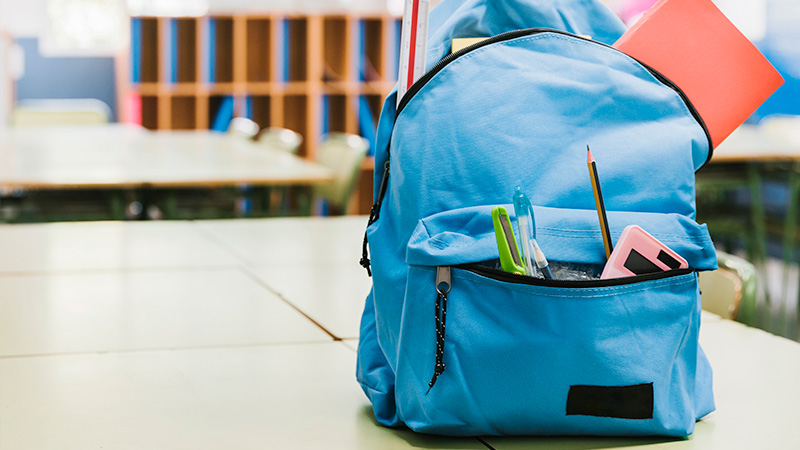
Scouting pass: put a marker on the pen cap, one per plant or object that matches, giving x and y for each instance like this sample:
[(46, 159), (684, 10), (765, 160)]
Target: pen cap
[(523, 208)]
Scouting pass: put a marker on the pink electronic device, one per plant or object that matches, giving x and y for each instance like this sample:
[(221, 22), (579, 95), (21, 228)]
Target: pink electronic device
[(639, 253)]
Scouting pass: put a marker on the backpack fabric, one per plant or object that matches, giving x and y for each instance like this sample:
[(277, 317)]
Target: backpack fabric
[(522, 356)]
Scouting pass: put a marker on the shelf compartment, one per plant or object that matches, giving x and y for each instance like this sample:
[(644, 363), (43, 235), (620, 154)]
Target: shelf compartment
[(259, 50), (369, 109), (183, 113), (372, 65), (295, 117), (185, 43), (336, 44), (295, 53), (335, 114), (261, 110), (220, 111), (149, 50), (150, 112), (393, 49), (220, 30)]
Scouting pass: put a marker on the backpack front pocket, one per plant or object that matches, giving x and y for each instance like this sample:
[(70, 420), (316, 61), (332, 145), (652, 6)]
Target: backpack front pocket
[(485, 352)]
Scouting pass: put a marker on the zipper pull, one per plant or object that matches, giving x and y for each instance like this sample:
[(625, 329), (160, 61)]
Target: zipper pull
[(443, 280), (442, 288)]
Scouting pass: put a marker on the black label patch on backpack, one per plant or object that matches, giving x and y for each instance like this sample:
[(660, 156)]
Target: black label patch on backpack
[(621, 402)]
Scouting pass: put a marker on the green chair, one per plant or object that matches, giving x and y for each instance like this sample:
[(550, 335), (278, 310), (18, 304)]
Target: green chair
[(276, 199), (731, 290), (343, 154), (243, 127), (280, 138)]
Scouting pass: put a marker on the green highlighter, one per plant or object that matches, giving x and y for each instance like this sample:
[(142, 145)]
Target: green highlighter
[(506, 242)]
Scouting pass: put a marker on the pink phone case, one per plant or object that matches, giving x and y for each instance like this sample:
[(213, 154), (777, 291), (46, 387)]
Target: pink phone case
[(639, 253)]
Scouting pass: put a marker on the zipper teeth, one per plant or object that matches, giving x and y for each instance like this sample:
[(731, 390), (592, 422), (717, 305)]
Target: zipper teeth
[(449, 58), (417, 86), (499, 275)]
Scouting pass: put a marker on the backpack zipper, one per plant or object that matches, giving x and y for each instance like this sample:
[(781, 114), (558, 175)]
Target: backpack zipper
[(506, 277), (374, 213), (509, 35)]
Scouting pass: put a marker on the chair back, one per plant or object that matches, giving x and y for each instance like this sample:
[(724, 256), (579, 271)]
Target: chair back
[(243, 127), (343, 154), (731, 290), (280, 138)]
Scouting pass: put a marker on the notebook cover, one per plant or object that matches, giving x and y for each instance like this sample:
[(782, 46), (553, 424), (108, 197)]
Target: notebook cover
[(694, 45)]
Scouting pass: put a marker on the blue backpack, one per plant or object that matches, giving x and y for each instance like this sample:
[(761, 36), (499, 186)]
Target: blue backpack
[(451, 346)]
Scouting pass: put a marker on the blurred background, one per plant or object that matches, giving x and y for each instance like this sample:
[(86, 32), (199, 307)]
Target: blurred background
[(199, 109)]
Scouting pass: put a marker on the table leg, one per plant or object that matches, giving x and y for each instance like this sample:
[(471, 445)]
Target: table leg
[(789, 239), (266, 201), (304, 204), (758, 243), (171, 205), (117, 204)]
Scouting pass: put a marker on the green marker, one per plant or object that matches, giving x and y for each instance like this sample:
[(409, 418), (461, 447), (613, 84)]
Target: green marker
[(506, 242)]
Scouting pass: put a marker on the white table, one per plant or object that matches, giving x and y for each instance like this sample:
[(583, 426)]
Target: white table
[(777, 140), (120, 156), (242, 334)]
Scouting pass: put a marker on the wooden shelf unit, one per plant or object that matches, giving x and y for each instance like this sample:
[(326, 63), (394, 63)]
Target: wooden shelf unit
[(310, 73)]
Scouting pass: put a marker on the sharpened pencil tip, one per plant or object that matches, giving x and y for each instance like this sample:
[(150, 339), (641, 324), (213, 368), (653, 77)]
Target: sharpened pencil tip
[(589, 157)]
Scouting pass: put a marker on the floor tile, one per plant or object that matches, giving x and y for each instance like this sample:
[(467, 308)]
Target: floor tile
[(88, 312), (107, 245), (352, 344), (323, 239), (301, 396), (331, 294)]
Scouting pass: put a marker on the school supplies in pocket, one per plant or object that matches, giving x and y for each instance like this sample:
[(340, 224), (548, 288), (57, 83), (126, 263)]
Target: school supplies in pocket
[(639, 253), (507, 248)]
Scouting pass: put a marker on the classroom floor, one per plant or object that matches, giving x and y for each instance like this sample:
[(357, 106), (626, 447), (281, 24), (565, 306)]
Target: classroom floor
[(243, 335)]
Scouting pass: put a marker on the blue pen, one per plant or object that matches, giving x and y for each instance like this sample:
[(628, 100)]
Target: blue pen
[(527, 230)]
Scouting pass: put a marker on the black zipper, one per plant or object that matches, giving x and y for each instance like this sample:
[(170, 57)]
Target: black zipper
[(374, 214), (531, 31), (501, 275)]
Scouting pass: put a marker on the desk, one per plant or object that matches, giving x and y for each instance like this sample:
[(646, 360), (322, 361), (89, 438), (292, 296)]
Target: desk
[(750, 143), (242, 333), (119, 156)]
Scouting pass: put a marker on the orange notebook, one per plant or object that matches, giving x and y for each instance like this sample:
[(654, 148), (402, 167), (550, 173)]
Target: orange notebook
[(693, 44)]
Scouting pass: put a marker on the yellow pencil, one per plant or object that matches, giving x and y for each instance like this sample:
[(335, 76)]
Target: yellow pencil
[(598, 199)]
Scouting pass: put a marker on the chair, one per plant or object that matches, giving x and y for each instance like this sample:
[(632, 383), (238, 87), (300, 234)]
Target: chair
[(81, 111), (243, 127), (342, 153), (730, 200), (282, 138), (731, 290), (286, 140)]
